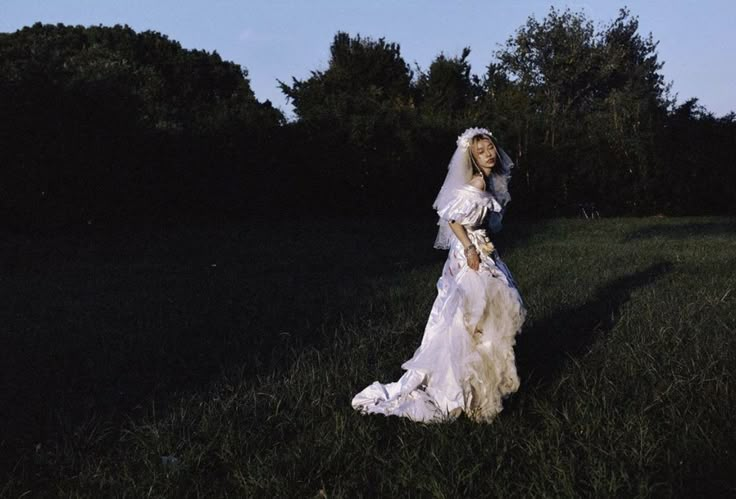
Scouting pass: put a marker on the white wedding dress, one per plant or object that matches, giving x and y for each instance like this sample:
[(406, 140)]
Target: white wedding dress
[(465, 362)]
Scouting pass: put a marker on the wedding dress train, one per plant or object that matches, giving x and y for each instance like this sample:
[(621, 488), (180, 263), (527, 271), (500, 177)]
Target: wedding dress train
[(465, 362)]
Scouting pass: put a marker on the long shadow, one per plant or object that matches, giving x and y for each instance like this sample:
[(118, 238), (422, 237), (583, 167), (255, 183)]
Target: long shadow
[(684, 230), (542, 349)]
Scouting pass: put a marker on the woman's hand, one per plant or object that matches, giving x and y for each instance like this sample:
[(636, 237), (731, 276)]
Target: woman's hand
[(471, 253), (473, 258)]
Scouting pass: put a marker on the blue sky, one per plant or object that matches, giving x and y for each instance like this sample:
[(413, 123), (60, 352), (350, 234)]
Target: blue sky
[(278, 39)]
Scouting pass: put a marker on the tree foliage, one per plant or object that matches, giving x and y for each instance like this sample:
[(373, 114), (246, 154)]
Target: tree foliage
[(584, 112), (593, 104), (447, 92), (357, 118), (100, 121)]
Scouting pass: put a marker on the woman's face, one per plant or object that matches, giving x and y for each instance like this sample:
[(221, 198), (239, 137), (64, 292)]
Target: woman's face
[(484, 153)]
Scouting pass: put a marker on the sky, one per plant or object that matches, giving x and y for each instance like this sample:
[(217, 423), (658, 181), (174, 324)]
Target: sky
[(280, 39)]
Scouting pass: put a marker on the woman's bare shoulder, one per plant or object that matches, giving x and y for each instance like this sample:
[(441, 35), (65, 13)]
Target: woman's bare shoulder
[(477, 182)]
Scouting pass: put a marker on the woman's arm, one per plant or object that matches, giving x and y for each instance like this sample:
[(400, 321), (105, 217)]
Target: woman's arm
[(471, 253)]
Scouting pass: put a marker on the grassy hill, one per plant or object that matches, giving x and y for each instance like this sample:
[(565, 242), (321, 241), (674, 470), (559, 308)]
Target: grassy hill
[(221, 360)]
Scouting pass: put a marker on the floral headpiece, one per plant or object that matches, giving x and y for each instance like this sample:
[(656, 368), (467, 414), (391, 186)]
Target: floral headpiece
[(464, 139)]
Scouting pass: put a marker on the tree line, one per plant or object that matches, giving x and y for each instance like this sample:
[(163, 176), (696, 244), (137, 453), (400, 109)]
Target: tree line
[(102, 123)]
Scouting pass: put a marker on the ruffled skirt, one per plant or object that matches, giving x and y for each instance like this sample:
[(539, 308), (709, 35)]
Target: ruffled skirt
[(465, 362)]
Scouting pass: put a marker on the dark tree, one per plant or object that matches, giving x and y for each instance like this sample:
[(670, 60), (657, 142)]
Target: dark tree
[(591, 106), (447, 93), (102, 122), (357, 117)]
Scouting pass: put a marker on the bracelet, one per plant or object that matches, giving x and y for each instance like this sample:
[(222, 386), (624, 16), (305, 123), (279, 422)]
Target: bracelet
[(468, 248)]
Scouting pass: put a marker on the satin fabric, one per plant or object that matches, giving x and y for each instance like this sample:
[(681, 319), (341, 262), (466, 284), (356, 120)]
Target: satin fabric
[(465, 362)]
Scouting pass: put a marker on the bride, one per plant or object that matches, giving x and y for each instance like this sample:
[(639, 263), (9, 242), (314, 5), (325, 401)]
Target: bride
[(465, 362)]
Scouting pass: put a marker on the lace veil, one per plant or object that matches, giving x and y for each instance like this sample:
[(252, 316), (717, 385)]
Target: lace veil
[(459, 173)]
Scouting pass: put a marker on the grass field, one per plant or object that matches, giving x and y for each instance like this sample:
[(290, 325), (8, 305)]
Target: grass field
[(220, 361)]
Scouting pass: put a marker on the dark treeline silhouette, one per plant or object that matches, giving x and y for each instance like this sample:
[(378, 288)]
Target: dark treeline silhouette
[(104, 124)]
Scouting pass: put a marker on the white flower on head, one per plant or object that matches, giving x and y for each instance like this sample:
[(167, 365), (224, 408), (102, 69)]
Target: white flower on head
[(464, 139)]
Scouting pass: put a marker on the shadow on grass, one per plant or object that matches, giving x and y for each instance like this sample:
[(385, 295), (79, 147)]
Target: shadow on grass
[(542, 349), (683, 230), (101, 325)]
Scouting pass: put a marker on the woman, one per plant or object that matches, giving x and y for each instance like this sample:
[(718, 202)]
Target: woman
[(465, 362)]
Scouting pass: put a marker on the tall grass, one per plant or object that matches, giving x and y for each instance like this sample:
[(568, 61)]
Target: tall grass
[(134, 367)]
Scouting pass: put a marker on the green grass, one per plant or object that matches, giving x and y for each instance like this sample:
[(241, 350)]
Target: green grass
[(133, 367)]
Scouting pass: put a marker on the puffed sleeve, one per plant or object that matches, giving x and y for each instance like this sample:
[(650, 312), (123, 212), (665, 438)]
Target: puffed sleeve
[(467, 206)]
